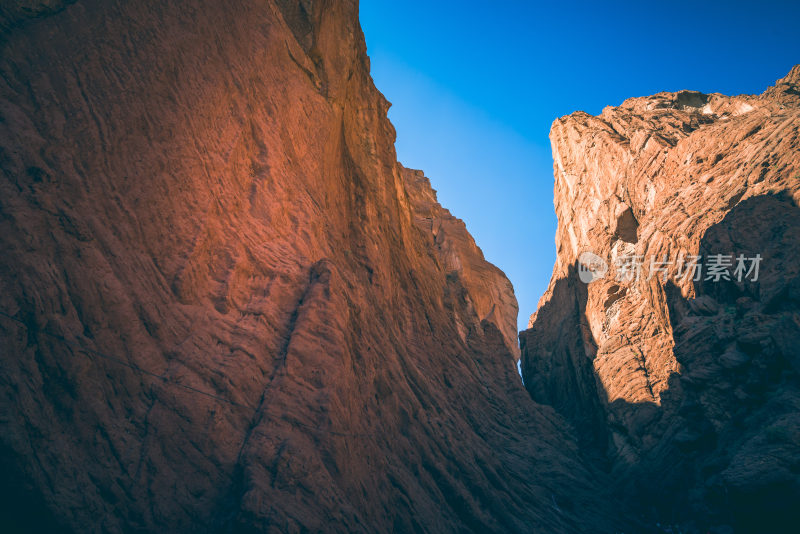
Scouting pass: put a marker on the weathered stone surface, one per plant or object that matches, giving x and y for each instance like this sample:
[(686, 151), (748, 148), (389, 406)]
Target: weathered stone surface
[(680, 383), (489, 291), (222, 308)]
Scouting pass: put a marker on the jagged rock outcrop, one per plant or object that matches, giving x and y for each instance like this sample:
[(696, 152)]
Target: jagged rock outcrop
[(688, 387), (223, 307), (490, 292)]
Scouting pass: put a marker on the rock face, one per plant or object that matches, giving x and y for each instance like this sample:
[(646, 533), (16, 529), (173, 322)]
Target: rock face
[(686, 386), (490, 293), (224, 305)]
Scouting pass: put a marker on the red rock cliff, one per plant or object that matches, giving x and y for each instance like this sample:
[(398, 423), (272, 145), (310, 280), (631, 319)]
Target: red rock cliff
[(226, 307), (687, 386)]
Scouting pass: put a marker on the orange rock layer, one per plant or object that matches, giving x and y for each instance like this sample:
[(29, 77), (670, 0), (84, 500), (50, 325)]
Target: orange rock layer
[(225, 305), (686, 385)]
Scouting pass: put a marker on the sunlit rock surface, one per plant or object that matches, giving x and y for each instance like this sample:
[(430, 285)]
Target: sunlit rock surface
[(226, 307), (687, 388), (489, 291)]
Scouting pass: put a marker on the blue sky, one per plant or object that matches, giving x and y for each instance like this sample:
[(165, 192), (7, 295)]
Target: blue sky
[(475, 86)]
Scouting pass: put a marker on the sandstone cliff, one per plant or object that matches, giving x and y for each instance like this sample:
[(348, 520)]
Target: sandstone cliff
[(688, 388), (489, 291), (226, 307)]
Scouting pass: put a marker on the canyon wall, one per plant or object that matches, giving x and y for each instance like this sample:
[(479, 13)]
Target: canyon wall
[(684, 383), (225, 307), (490, 292)]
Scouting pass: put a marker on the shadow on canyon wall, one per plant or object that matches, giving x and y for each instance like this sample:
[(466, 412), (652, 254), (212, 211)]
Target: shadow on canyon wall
[(721, 451)]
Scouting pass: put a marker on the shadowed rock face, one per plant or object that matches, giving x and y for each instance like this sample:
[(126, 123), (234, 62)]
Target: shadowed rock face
[(226, 307), (688, 388)]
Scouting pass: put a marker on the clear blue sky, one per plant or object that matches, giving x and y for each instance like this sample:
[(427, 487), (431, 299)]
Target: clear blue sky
[(476, 85)]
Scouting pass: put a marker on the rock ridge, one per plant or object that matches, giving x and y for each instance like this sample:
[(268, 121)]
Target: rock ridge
[(685, 385)]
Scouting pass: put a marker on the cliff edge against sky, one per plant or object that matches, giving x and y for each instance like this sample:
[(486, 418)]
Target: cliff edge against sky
[(225, 305), (684, 381)]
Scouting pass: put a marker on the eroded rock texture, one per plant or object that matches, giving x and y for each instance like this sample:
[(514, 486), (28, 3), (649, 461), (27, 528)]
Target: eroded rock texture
[(489, 291), (687, 388), (226, 307)]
